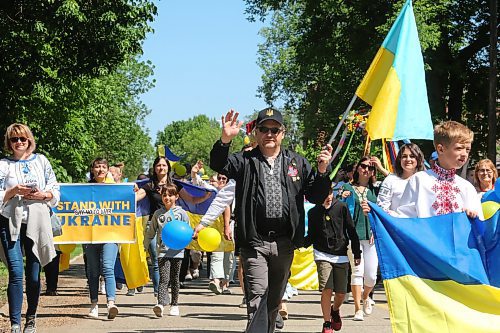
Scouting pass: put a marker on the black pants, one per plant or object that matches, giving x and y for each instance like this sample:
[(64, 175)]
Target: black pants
[(52, 273)]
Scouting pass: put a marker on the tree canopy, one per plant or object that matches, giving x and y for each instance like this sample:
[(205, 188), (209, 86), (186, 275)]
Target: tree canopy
[(193, 138), (315, 53), (69, 69)]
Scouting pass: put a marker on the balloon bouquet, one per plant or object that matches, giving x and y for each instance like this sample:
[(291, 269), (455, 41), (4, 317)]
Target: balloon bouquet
[(177, 235)]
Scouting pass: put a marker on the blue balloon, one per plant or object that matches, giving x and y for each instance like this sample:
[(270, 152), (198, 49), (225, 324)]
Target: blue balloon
[(177, 234)]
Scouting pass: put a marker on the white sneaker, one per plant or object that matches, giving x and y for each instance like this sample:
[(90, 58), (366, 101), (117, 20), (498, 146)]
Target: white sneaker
[(130, 292), (195, 274), (94, 311), (174, 310), (102, 288), (188, 277), (358, 316), (158, 310), (112, 311), (367, 306), (372, 302)]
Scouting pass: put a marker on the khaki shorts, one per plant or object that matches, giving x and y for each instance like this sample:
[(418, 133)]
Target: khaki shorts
[(333, 276)]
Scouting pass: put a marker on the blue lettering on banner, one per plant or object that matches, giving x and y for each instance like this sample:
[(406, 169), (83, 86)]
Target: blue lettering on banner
[(126, 220), (85, 220), (115, 220), (96, 220), (72, 221)]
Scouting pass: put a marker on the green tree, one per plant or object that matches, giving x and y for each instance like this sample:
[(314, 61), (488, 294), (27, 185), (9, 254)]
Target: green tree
[(315, 53), (68, 69), (193, 138)]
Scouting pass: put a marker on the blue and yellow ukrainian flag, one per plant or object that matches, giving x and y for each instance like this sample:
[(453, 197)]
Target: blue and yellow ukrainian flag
[(196, 212), (441, 274), (394, 85)]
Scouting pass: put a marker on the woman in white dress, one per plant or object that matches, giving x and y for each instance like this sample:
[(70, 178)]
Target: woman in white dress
[(409, 161)]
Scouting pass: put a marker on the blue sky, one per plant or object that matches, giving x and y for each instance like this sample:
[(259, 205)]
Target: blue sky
[(204, 53)]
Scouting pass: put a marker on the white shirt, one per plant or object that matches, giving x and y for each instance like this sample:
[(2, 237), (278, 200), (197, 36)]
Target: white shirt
[(390, 193), (223, 199), (34, 171), (436, 192), (331, 258)]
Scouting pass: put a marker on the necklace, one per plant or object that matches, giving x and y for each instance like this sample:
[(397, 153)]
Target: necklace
[(361, 195)]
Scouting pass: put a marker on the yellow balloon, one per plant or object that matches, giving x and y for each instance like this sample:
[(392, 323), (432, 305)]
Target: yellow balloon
[(209, 239), (180, 170), (246, 140), (67, 248), (490, 208)]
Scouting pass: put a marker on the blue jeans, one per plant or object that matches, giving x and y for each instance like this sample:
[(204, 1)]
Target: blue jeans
[(154, 261), (105, 253), (14, 256)]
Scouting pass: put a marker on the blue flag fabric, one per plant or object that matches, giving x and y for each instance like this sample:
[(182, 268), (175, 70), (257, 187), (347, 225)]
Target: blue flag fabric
[(441, 274)]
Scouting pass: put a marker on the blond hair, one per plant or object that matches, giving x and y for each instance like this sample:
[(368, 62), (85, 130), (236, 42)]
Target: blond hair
[(489, 164), (19, 130), (451, 131)]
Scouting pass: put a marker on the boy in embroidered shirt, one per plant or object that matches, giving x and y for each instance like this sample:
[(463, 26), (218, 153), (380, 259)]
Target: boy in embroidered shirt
[(439, 190)]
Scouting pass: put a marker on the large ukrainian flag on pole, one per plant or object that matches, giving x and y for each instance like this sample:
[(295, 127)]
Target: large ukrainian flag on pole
[(441, 274), (394, 85)]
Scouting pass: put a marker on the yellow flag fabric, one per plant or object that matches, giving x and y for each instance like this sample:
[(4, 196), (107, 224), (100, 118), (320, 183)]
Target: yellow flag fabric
[(133, 257), (475, 308), (395, 87), (304, 275), (64, 262)]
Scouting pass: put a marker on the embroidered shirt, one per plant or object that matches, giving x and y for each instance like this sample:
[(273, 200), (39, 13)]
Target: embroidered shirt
[(436, 192), (35, 171), (272, 187)]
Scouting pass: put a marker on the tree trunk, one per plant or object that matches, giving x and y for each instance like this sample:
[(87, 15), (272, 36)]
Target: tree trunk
[(492, 98)]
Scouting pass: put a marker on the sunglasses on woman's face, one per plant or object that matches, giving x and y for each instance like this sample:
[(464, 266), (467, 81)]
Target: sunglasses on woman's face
[(367, 166), (265, 130), (222, 178), (16, 139)]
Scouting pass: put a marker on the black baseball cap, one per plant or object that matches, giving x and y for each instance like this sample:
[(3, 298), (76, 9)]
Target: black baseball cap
[(269, 114)]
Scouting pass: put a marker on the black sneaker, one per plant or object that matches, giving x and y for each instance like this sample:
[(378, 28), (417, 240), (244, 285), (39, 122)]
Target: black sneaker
[(279, 322), (30, 326)]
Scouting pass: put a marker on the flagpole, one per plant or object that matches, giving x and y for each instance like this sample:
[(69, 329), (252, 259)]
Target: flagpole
[(342, 120)]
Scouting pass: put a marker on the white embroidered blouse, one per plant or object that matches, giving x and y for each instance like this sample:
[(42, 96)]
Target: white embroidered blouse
[(35, 171), (436, 192)]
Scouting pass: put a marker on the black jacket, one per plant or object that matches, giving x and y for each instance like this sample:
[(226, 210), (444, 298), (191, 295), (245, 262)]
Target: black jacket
[(244, 168), (329, 230)]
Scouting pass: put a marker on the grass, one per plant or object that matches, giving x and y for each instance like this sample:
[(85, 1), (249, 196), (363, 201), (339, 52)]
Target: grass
[(4, 275)]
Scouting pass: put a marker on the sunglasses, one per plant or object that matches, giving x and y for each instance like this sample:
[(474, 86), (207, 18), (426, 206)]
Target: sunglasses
[(16, 139), (265, 130), (367, 166), (222, 178)]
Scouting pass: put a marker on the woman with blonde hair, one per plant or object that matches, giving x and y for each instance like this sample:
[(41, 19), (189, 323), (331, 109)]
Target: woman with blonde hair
[(485, 175), (28, 188)]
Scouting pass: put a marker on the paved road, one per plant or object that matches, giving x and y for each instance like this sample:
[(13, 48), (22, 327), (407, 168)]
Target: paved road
[(201, 311)]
